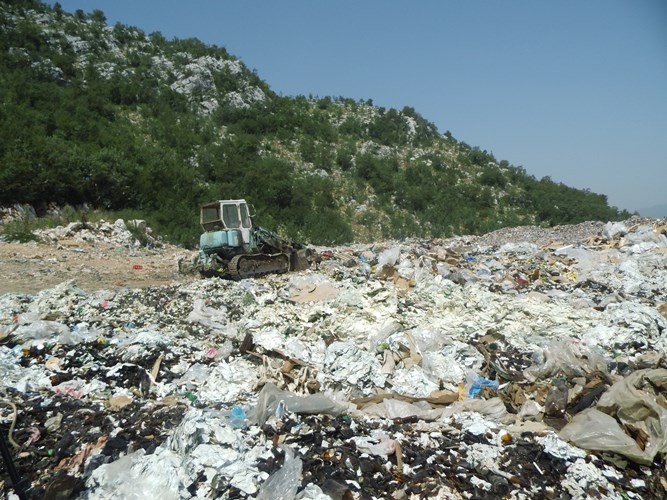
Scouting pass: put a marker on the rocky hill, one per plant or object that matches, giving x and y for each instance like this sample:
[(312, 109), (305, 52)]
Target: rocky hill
[(110, 117)]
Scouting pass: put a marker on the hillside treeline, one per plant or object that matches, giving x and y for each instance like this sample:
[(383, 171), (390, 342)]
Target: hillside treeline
[(109, 117)]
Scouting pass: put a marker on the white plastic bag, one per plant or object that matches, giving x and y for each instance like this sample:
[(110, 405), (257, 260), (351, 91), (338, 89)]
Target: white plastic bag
[(215, 319), (632, 403), (270, 398), (41, 330), (379, 444), (282, 484), (388, 257), (594, 430)]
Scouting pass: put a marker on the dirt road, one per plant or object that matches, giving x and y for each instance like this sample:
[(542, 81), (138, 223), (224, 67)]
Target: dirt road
[(31, 267)]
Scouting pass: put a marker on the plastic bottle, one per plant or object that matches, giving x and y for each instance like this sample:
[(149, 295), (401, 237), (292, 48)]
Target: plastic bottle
[(556, 402), (237, 417)]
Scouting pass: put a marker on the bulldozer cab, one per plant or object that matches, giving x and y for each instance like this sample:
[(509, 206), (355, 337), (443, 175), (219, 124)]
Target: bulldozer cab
[(227, 214)]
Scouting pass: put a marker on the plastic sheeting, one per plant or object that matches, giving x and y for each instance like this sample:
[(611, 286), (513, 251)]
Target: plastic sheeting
[(271, 398), (633, 403)]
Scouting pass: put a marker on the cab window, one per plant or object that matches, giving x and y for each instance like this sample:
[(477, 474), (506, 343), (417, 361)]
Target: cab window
[(230, 216), (245, 216), (210, 214)]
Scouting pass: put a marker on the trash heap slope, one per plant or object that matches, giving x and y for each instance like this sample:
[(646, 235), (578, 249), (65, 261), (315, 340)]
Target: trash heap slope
[(526, 362)]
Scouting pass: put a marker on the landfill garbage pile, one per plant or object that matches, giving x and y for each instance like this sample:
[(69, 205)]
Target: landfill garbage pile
[(131, 233), (527, 363)]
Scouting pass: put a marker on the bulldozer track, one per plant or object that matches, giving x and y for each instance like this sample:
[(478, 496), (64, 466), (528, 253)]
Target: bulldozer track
[(250, 266)]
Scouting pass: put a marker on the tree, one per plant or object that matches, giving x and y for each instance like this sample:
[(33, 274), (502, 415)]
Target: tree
[(98, 16)]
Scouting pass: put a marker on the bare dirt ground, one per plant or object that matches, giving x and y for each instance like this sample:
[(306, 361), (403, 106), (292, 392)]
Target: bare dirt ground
[(31, 267)]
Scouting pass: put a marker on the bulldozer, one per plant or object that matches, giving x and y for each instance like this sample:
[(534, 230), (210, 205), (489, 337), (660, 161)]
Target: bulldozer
[(232, 247)]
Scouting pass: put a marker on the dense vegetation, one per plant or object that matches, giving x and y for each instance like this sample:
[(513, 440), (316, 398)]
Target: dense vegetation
[(108, 117)]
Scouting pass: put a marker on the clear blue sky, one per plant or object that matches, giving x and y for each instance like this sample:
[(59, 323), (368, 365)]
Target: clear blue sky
[(576, 90)]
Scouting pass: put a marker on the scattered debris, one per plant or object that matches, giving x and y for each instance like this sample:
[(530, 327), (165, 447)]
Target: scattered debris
[(523, 363)]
